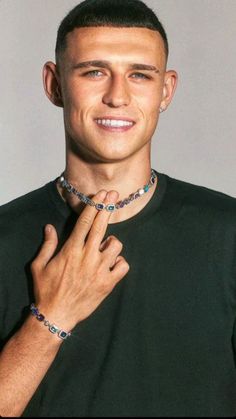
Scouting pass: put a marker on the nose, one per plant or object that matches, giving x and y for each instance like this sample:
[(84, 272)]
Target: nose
[(117, 93)]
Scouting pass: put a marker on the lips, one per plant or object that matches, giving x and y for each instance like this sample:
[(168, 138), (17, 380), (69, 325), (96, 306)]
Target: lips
[(114, 123)]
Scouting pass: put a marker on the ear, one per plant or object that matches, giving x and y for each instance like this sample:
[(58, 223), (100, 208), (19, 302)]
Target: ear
[(51, 83), (170, 84)]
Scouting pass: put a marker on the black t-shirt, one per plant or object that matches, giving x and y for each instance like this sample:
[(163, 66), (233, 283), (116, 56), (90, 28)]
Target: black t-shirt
[(163, 342)]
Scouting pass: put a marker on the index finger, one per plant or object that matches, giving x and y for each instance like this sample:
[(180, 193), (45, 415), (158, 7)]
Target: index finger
[(86, 219), (100, 223)]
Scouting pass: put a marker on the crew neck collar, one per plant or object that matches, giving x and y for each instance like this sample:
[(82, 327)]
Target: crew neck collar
[(153, 204)]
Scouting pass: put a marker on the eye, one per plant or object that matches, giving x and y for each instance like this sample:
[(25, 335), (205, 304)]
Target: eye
[(94, 73), (140, 76)]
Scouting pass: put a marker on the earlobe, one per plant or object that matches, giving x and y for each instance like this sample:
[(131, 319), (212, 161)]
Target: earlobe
[(51, 84)]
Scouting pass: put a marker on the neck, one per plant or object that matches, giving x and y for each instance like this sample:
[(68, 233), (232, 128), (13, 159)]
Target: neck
[(124, 177)]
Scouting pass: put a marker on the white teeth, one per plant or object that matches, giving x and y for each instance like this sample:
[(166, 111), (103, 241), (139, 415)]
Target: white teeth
[(114, 123)]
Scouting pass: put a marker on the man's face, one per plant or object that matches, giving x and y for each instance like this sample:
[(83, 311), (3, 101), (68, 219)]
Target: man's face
[(112, 82)]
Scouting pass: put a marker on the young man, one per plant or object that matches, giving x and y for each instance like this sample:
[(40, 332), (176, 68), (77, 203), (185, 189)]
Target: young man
[(133, 284)]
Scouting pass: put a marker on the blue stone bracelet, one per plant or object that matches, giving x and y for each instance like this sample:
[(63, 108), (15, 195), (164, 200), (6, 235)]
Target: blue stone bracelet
[(52, 327)]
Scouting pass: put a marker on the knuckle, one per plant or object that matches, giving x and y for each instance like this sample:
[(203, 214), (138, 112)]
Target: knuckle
[(84, 220), (70, 253), (104, 288), (35, 266), (49, 241), (116, 244), (97, 228)]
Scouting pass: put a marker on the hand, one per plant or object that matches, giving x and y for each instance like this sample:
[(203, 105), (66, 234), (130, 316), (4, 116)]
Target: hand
[(71, 285)]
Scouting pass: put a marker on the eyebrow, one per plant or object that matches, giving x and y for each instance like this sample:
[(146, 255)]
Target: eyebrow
[(107, 64)]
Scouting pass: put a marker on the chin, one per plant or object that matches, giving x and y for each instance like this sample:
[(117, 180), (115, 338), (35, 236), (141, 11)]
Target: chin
[(110, 159), (111, 152)]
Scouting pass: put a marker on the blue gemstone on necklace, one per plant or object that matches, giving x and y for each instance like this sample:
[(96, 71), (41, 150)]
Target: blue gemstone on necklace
[(35, 311), (40, 317), (111, 207), (100, 207)]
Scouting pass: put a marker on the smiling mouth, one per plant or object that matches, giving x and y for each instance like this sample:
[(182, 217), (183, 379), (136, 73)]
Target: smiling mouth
[(115, 124)]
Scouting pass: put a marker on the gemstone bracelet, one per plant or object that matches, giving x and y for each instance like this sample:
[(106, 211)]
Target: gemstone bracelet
[(52, 327)]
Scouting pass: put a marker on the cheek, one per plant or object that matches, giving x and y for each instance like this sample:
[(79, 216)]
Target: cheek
[(149, 110), (149, 101), (76, 107), (154, 112), (75, 95), (83, 97)]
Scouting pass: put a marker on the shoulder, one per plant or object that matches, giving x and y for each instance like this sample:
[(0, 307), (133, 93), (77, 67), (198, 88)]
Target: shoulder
[(200, 201), (201, 195), (23, 207)]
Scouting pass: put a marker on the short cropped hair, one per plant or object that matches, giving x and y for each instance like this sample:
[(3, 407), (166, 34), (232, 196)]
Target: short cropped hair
[(112, 13)]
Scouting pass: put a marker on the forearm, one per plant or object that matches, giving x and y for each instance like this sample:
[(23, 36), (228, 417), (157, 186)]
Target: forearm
[(24, 361), (68, 288)]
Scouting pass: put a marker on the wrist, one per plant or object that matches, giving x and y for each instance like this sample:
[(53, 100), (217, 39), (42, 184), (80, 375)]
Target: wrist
[(50, 325)]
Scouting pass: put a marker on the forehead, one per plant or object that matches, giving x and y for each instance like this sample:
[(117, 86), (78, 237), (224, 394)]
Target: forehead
[(91, 43)]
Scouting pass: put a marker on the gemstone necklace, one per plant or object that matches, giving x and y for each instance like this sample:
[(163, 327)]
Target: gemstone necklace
[(109, 207)]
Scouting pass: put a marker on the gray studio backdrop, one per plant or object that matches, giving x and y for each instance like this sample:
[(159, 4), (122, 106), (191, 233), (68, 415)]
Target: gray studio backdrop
[(195, 140)]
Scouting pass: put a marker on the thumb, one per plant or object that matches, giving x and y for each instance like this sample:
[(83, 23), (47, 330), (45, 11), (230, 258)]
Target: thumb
[(49, 245)]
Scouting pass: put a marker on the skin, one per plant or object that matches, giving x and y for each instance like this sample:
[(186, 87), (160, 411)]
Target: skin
[(70, 286)]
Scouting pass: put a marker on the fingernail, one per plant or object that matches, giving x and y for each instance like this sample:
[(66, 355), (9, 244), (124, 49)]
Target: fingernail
[(48, 229)]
